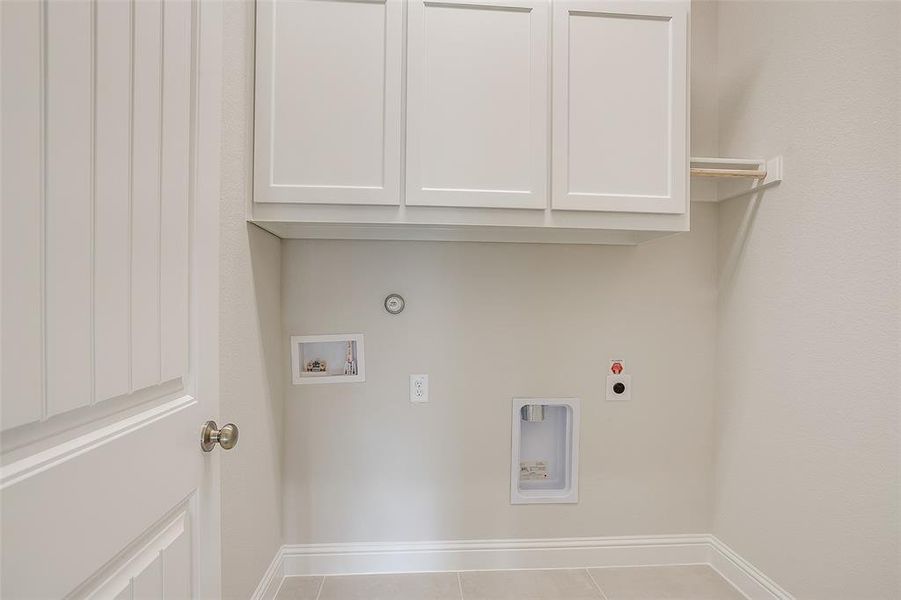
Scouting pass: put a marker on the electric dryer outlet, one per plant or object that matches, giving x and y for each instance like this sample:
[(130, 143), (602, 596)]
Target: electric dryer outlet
[(619, 388)]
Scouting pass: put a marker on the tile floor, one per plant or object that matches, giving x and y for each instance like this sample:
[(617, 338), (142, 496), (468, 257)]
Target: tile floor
[(690, 582)]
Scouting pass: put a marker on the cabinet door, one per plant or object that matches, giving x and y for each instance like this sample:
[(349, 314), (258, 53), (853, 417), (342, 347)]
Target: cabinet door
[(620, 106), (328, 101), (477, 103)]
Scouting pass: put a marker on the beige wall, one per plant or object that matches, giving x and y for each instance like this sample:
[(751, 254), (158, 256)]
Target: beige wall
[(808, 371), (250, 352), (489, 322)]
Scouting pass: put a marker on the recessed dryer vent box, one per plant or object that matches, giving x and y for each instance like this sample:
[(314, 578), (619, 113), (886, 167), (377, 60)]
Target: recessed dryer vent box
[(545, 459), (327, 358)]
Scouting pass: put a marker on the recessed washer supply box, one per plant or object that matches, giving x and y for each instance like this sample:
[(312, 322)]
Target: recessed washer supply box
[(545, 451), (334, 358)]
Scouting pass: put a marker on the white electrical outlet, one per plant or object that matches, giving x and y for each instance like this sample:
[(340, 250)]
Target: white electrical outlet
[(619, 388), (419, 388)]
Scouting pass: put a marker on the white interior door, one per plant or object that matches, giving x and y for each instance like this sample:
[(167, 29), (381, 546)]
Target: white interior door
[(110, 176)]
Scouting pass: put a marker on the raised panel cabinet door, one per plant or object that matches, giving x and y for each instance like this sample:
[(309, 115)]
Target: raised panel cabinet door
[(620, 129), (328, 101), (477, 103)]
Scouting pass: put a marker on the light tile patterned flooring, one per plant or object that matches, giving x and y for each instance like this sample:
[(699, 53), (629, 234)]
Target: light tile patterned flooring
[(690, 582)]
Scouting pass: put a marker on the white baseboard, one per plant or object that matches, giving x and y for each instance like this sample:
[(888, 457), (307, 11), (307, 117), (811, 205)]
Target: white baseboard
[(743, 575), (486, 555), (272, 578)]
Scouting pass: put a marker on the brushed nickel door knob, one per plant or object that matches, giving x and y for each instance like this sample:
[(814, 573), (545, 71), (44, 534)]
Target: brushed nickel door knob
[(227, 437)]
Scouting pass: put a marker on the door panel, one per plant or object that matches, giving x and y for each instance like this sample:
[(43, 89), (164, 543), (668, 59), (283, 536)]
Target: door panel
[(620, 106), (148, 584), (22, 42), (53, 541), (145, 194), (67, 206), (156, 561), (112, 216), (477, 104), (111, 125), (328, 103), (175, 181)]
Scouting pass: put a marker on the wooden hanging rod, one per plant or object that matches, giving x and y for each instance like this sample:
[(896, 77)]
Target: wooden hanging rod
[(751, 168), (707, 172), (756, 174)]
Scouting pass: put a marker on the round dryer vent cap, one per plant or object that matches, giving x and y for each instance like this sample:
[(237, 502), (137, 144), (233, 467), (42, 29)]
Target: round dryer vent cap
[(394, 304)]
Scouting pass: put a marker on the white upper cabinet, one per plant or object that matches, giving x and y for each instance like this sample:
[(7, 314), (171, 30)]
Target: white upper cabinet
[(328, 101), (620, 131), (477, 103), (561, 121)]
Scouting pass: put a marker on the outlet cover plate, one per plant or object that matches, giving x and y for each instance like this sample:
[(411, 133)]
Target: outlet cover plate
[(419, 389), (625, 395)]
